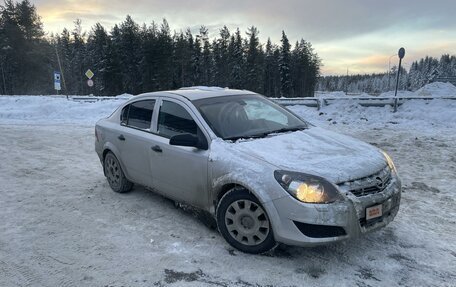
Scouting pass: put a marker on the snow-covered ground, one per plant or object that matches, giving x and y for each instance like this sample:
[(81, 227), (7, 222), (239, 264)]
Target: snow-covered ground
[(63, 226)]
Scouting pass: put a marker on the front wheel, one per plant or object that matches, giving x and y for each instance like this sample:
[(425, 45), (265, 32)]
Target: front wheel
[(244, 223), (114, 174)]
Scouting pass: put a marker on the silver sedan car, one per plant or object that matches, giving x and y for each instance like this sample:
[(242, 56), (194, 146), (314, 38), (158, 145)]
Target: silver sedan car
[(264, 174)]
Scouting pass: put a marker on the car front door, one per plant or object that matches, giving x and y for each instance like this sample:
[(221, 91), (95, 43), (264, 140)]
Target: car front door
[(177, 171)]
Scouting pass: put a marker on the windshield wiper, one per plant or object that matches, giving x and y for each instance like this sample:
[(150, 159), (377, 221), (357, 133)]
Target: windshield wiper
[(284, 130), (265, 134), (256, 136)]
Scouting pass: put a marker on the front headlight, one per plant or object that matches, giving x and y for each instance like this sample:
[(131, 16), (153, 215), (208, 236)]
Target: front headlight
[(307, 188), (389, 161)]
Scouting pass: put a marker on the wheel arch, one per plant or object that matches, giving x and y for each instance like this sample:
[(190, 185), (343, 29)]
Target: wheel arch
[(227, 186), (108, 147)]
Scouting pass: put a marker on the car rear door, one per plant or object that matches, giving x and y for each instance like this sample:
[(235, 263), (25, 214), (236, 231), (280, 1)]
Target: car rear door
[(177, 171), (133, 140)]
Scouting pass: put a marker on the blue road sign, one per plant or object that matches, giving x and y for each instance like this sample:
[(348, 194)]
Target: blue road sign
[(57, 81)]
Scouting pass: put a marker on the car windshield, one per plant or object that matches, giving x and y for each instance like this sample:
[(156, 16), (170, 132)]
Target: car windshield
[(246, 116)]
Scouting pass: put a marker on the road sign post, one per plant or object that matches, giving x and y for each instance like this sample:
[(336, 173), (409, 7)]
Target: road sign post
[(89, 74), (57, 85), (401, 55)]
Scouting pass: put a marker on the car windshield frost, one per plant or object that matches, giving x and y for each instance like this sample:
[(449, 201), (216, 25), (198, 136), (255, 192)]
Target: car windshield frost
[(246, 116)]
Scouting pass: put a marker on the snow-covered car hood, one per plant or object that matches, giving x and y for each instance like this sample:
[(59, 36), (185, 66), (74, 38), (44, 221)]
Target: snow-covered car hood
[(314, 151)]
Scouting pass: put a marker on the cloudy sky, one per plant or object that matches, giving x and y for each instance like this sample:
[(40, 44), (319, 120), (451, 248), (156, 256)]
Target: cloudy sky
[(358, 35)]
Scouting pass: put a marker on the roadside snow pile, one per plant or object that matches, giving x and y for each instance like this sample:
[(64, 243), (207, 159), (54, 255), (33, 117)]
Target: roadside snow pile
[(125, 96), (437, 89), (338, 94), (413, 114), (390, 94), (53, 110)]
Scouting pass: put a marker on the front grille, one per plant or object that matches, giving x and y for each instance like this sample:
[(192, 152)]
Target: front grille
[(319, 231), (372, 184)]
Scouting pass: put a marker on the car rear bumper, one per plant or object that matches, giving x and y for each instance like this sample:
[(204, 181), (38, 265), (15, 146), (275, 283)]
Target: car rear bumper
[(301, 224)]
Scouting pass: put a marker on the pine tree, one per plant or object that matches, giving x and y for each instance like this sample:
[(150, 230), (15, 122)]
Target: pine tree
[(254, 61), (221, 58), (284, 67), (271, 70), (164, 57), (149, 61), (113, 64), (97, 50), (207, 62), (236, 63), (196, 62), (78, 59), (24, 53), (130, 57)]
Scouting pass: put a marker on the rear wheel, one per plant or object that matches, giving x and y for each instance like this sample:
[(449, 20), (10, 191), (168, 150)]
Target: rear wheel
[(244, 223), (114, 174)]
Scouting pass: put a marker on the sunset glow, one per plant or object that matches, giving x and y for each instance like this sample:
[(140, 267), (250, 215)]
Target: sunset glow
[(358, 36)]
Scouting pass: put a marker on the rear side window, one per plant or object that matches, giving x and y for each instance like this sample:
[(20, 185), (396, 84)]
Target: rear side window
[(173, 120), (138, 114), (124, 115)]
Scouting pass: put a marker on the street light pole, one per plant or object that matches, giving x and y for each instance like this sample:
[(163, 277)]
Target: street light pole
[(401, 55)]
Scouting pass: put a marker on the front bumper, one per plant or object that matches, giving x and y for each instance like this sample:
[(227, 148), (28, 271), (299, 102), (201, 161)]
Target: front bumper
[(301, 224)]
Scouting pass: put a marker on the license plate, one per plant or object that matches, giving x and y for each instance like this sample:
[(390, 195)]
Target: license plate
[(373, 212)]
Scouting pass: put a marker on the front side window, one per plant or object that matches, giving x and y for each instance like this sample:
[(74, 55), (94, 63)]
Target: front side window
[(138, 114), (173, 120)]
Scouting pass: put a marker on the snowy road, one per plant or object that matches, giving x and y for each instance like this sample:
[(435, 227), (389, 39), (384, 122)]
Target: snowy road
[(61, 225)]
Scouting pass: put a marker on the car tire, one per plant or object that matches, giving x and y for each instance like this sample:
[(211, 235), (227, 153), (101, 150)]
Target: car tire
[(114, 174), (244, 223)]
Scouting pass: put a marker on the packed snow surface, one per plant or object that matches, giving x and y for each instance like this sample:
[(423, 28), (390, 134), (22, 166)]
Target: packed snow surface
[(63, 226)]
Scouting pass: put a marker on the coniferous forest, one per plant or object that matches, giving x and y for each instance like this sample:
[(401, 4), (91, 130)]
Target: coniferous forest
[(422, 72), (133, 58)]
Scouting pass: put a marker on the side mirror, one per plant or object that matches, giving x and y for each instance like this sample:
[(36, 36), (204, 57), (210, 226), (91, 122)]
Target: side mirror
[(189, 140)]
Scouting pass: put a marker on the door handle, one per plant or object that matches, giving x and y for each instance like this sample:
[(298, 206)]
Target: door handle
[(121, 137), (156, 148)]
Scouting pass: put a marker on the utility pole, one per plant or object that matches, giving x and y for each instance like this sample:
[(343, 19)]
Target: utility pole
[(61, 70)]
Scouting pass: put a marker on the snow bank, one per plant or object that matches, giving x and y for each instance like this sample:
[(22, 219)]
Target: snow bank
[(390, 94), (337, 94), (54, 110), (413, 114), (437, 89), (125, 96)]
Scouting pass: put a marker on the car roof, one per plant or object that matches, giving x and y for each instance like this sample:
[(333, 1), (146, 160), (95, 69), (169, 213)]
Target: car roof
[(198, 92)]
